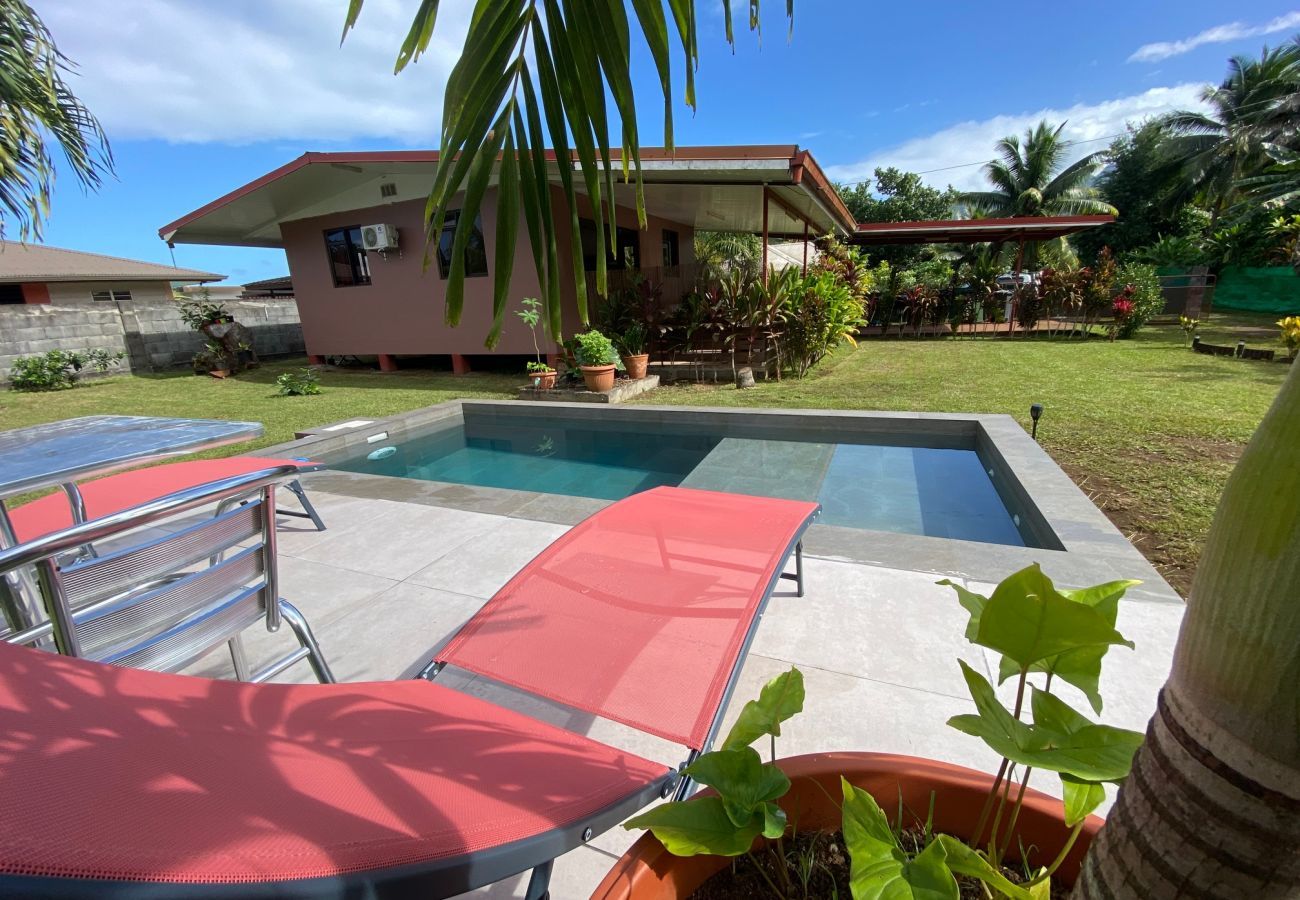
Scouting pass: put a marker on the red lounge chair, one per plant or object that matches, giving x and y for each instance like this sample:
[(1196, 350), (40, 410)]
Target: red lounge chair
[(118, 783), (114, 493)]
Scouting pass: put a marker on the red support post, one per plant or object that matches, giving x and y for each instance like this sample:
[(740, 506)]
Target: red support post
[(805, 246), (459, 364), (387, 363), (315, 359)]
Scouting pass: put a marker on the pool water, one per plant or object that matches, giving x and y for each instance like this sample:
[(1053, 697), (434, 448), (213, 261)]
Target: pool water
[(911, 490)]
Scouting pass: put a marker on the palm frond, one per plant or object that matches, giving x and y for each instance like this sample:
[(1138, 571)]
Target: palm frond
[(533, 72)]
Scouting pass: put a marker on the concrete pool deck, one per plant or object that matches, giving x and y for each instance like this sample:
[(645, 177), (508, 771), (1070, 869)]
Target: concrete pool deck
[(404, 563)]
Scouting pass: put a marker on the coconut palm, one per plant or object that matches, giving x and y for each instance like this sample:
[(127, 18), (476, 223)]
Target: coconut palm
[(1214, 796), (1251, 120), (1030, 178), (35, 106)]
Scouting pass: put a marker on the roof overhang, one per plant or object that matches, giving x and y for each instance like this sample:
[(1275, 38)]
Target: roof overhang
[(974, 231), (713, 188)]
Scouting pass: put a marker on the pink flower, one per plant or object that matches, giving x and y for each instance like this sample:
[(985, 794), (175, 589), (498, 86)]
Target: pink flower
[(1122, 308)]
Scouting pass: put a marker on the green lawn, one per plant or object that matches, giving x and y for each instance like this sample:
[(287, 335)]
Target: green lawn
[(1146, 427)]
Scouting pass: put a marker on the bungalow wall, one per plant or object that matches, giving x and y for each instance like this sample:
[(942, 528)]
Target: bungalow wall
[(402, 310)]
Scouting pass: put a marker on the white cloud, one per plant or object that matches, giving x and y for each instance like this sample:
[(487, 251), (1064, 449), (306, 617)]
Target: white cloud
[(1219, 34), (241, 70), (957, 150)]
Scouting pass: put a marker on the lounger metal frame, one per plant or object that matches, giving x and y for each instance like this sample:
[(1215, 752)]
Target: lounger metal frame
[(162, 602)]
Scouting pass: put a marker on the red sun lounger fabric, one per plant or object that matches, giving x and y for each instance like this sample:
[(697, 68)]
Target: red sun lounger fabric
[(639, 613), (123, 775), (127, 489)]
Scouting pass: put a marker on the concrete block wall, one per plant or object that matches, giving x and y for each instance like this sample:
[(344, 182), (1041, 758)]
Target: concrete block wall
[(149, 331)]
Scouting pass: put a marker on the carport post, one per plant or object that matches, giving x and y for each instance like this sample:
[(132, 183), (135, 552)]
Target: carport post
[(764, 235)]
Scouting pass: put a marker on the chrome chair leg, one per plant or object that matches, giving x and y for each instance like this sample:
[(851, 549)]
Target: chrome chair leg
[(305, 636), (239, 658)]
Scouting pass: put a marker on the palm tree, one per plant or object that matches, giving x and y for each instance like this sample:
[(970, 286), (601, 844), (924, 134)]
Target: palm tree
[(1212, 807), (534, 72), (1028, 179), (1252, 114), (36, 105)]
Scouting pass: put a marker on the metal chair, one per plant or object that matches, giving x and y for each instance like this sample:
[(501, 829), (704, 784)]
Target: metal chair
[(160, 603)]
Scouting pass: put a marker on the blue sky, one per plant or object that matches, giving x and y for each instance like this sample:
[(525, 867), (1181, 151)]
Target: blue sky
[(199, 97)]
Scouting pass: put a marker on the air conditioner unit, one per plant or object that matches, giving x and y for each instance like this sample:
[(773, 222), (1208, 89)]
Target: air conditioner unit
[(379, 237)]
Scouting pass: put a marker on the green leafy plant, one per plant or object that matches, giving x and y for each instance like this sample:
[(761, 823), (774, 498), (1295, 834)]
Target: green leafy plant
[(101, 360), (535, 368), (298, 384), (591, 348), (201, 311), (632, 341), (1189, 327), (54, 370), (746, 788), (1290, 334), (531, 315), (1141, 286)]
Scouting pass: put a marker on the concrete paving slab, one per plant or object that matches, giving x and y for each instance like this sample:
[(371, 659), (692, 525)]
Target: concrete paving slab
[(480, 567)]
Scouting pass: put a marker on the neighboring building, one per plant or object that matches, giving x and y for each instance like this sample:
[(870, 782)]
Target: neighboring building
[(387, 304), (38, 274)]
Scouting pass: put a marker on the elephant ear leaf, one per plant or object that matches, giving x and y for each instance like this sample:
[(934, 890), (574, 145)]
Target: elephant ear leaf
[(973, 603), (741, 780), (698, 826), (781, 698)]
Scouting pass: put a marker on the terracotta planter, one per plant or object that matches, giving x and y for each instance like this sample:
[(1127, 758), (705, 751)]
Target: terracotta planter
[(636, 365), (599, 378), (649, 872), (543, 381)]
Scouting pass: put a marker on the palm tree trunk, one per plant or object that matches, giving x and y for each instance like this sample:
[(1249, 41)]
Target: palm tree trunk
[(1212, 808)]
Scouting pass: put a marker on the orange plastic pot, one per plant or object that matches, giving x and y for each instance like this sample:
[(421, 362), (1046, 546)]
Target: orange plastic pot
[(649, 872), (636, 365), (598, 378), (543, 381)]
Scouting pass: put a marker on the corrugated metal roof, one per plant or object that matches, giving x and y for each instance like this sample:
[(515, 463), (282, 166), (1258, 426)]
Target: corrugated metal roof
[(21, 262)]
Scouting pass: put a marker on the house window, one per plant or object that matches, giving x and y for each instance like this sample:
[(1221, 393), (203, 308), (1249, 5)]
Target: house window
[(347, 256), (12, 293), (627, 247), (110, 296), (672, 249), (475, 248)]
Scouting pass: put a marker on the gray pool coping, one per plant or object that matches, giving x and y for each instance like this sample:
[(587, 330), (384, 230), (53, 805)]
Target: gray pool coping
[(1092, 549)]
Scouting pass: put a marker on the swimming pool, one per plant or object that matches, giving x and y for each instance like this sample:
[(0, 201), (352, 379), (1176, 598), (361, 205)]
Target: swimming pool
[(923, 485)]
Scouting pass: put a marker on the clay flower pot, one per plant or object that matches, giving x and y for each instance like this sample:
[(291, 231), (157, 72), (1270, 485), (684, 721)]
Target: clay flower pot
[(598, 378), (649, 872), (543, 381), (636, 365)]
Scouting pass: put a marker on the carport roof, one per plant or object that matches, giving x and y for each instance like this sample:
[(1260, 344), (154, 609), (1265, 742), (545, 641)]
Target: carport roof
[(713, 188), (974, 231)]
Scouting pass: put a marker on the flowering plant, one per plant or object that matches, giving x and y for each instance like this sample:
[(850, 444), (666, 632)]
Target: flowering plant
[(1122, 310), (1189, 327), (1290, 333)]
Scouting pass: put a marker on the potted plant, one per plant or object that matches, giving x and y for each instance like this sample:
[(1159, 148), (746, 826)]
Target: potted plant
[(539, 373), (949, 823), (631, 349), (597, 359), (1290, 337)]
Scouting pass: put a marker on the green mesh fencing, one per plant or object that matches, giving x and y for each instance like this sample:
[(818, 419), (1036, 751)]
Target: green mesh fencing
[(1275, 289)]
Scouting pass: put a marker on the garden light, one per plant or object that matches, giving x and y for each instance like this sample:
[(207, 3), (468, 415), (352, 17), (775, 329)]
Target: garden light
[(1035, 413)]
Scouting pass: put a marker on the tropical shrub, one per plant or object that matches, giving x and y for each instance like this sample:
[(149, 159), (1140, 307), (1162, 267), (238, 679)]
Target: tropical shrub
[(201, 311), (1140, 286), (57, 370), (821, 312), (1290, 334), (1173, 250), (298, 384)]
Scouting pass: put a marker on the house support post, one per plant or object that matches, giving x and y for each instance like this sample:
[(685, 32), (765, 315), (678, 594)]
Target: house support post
[(315, 359), (387, 363), (805, 246), (1015, 293), (764, 235), (459, 364)]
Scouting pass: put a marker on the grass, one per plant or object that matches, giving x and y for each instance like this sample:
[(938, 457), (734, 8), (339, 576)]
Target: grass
[(1149, 429), (252, 397)]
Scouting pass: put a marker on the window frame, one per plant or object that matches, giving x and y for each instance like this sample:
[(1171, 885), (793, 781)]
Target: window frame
[(358, 261), (675, 244), (449, 222), (624, 238), (110, 296)]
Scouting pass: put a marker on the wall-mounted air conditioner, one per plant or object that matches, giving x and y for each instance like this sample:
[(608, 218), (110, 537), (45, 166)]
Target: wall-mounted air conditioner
[(379, 237)]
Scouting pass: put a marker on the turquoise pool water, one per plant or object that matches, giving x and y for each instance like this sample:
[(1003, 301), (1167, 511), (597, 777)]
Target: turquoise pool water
[(911, 490)]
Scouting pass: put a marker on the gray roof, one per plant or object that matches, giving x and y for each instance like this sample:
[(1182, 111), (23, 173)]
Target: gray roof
[(21, 262)]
